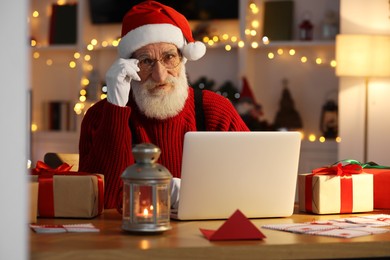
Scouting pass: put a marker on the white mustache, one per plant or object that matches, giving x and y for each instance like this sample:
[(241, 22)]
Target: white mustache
[(150, 84)]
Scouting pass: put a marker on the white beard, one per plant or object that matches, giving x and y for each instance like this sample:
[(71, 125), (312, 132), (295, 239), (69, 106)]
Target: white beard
[(161, 105)]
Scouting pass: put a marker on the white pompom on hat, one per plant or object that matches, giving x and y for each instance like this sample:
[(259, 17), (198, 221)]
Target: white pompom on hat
[(152, 22)]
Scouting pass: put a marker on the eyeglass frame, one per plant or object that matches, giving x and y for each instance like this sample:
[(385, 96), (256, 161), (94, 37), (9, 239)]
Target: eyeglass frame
[(154, 61)]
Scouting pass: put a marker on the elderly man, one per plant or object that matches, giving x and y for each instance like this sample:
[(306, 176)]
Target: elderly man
[(148, 98)]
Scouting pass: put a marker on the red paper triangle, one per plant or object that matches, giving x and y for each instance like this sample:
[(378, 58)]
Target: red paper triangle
[(237, 227)]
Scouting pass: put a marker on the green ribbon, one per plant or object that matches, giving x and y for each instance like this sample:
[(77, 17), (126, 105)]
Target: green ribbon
[(368, 165)]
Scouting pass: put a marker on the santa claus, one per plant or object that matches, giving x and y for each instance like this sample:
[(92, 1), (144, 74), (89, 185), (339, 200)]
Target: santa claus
[(149, 99)]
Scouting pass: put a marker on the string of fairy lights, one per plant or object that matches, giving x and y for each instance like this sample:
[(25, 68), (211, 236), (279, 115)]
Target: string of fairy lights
[(252, 39)]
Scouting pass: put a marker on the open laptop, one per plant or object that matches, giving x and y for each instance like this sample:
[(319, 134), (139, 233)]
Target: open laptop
[(255, 172)]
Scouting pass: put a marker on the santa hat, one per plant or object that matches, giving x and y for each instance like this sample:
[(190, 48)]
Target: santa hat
[(152, 22)]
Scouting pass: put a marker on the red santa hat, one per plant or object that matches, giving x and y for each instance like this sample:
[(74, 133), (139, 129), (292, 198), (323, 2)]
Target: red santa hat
[(152, 22)]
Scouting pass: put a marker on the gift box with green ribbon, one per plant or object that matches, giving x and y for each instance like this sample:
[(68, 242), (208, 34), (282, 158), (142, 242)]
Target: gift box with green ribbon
[(381, 183), (340, 188)]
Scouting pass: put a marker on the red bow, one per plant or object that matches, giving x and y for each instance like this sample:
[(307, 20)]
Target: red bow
[(43, 167), (339, 170)]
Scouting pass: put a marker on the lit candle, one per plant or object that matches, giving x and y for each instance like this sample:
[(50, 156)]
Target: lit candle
[(145, 214)]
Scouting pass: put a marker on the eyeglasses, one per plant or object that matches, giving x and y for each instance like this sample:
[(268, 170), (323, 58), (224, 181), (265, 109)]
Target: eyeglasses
[(168, 60)]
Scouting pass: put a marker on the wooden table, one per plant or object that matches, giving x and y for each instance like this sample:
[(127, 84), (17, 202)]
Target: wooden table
[(185, 241)]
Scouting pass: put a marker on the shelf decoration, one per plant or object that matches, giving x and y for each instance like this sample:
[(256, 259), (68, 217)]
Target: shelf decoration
[(287, 118), (329, 119), (306, 28), (330, 26), (278, 20), (57, 116), (63, 24)]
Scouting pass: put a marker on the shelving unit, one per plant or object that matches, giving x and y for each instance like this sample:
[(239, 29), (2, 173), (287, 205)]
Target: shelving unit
[(59, 82)]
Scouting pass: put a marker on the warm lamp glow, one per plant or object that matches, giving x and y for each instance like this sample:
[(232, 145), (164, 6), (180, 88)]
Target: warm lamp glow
[(363, 55)]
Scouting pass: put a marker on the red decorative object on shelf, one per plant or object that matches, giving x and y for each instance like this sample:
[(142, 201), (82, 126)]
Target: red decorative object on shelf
[(306, 30)]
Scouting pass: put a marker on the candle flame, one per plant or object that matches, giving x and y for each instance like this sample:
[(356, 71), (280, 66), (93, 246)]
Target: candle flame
[(146, 212)]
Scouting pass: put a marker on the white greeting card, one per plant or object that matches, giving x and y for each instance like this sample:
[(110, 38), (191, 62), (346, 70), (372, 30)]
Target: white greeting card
[(344, 227), (64, 228)]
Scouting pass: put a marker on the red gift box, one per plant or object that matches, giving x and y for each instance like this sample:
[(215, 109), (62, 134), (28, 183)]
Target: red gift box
[(381, 176), (381, 187), (63, 193)]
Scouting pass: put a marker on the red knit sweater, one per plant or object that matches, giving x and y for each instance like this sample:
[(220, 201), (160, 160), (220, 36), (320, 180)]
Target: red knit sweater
[(106, 139)]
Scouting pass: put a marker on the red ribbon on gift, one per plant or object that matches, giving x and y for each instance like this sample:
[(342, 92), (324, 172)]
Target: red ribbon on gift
[(43, 167), (345, 172), (46, 191)]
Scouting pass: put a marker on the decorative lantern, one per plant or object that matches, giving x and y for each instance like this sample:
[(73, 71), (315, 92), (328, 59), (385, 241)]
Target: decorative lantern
[(146, 192), (329, 119), (306, 29)]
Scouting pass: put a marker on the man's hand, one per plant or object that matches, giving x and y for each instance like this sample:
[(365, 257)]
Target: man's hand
[(118, 79), (175, 189)]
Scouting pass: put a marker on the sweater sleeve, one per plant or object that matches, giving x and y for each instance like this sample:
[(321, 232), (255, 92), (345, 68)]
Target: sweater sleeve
[(105, 146)]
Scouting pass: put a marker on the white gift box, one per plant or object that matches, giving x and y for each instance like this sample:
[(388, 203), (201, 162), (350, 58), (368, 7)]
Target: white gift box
[(326, 193)]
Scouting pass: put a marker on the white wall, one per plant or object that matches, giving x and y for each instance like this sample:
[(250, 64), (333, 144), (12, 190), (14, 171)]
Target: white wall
[(361, 17), (13, 130)]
